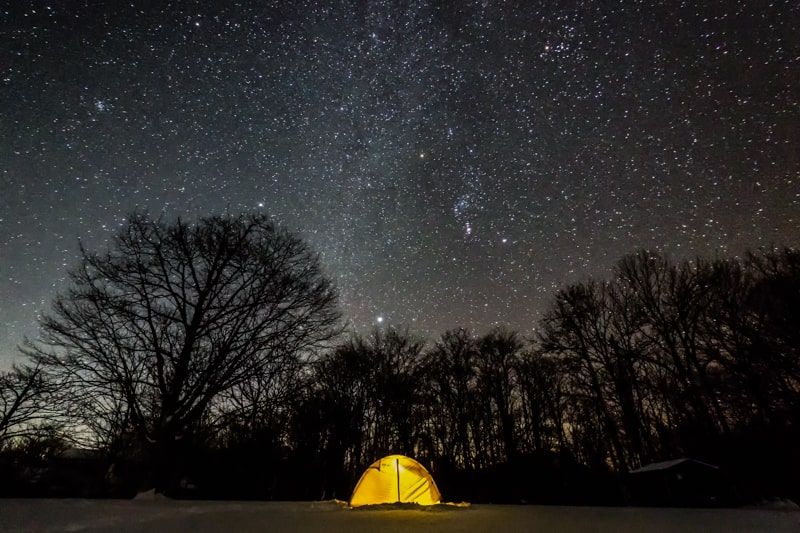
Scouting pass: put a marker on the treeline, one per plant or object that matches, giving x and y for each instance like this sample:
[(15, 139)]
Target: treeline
[(665, 360), (207, 360)]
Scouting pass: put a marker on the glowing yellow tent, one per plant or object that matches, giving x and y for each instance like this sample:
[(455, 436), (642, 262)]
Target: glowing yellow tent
[(393, 479)]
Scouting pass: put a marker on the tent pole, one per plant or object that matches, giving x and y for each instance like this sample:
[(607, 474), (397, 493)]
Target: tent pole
[(397, 469)]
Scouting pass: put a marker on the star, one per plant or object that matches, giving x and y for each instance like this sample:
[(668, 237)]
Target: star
[(430, 160)]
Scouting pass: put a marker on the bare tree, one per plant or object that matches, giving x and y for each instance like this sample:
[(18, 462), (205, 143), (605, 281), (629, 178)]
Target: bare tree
[(24, 395), (497, 356), (773, 305), (541, 384), (673, 300), (578, 329), (336, 414), (394, 361), (452, 384), (175, 314)]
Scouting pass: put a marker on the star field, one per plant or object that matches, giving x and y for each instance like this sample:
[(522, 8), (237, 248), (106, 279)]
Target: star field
[(454, 163)]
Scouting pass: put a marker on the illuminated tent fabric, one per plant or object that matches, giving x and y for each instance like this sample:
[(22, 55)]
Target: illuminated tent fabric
[(393, 479)]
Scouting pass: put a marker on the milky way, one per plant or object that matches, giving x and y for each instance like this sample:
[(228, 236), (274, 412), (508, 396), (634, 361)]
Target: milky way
[(454, 163)]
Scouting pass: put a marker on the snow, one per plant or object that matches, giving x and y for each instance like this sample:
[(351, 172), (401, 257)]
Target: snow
[(333, 517)]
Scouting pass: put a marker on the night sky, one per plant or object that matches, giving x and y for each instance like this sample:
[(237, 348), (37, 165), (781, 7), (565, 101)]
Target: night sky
[(454, 163)]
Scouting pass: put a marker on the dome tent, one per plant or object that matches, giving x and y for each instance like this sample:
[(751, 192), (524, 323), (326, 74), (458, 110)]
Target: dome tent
[(395, 479)]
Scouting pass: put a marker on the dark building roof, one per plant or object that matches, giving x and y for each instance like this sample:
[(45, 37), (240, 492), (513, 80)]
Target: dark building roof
[(666, 465)]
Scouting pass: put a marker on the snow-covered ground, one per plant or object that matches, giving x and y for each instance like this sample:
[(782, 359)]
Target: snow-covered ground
[(332, 517)]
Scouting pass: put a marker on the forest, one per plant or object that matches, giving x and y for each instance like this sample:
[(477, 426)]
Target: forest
[(209, 360)]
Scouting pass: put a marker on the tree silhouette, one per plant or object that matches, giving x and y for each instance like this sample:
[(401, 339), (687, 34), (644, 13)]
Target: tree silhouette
[(497, 356), (210, 333), (25, 402), (174, 315), (451, 379)]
